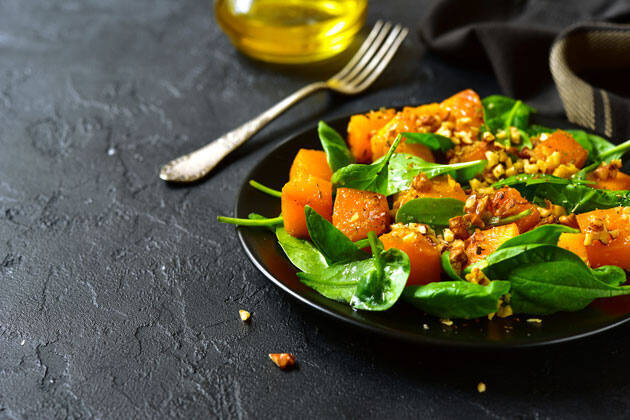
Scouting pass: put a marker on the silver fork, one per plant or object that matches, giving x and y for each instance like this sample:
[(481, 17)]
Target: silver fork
[(361, 71)]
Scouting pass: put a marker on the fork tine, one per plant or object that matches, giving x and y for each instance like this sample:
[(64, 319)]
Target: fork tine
[(392, 43), (385, 61), (366, 53), (355, 58)]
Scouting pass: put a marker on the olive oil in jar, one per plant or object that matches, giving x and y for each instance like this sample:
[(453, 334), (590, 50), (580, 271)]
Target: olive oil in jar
[(291, 31)]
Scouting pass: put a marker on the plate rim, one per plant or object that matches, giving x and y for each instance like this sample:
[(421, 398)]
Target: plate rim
[(399, 335)]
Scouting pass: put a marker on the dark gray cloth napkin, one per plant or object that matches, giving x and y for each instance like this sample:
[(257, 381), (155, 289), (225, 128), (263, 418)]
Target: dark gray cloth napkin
[(539, 48)]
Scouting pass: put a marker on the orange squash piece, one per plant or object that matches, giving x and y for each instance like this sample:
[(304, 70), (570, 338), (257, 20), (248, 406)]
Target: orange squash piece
[(443, 186), (574, 242), (484, 242), (299, 192), (563, 143), (464, 109), (424, 257), (616, 252), (509, 202), (617, 249), (423, 119), (362, 127), (310, 162), (357, 212), (619, 182), (612, 219), (472, 152)]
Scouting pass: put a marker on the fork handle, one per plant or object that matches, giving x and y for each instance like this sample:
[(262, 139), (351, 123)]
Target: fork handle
[(197, 164)]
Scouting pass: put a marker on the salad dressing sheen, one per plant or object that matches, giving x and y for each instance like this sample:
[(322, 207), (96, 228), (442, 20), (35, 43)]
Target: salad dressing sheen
[(291, 31)]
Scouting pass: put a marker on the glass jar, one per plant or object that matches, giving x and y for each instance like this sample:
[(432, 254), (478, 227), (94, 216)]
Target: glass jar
[(291, 31)]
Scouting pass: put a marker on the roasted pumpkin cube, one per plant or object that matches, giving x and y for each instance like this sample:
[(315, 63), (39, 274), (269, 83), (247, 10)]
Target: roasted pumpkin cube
[(618, 182), (464, 110), (362, 127), (615, 252), (357, 212), (569, 150), (574, 242), (484, 242), (423, 254), (443, 186), (310, 162), (611, 219), (471, 152), (300, 192), (607, 236), (507, 202), (423, 119)]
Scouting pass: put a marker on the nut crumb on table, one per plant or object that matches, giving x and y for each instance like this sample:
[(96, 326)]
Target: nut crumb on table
[(244, 315), (283, 360)]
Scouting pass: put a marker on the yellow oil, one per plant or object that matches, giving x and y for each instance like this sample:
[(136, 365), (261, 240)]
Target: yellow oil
[(291, 31)]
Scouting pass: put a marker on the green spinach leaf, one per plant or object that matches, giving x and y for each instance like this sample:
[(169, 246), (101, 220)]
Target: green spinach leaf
[(330, 241), (338, 281), (445, 261), (373, 177), (547, 279), (381, 288), (434, 212), (501, 113), (431, 140), (403, 168), (572, 194), (373, 284), (545, 234), (457, 299), (337, 153), (301, 253)]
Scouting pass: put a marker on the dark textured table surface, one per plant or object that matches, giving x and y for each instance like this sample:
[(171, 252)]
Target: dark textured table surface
[(119, 294)]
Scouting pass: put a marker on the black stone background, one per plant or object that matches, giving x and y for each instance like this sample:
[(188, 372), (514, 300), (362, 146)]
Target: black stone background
[(119, 294)]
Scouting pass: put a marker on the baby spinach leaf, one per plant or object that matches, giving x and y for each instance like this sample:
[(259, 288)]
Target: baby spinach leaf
[(445, 261), (431, 140), (457, 299), (403, 168), (611, 274), (373, 177), (373, 284), (338, 281), (330, 241), (547, 279), (614, 153), (434, 212), (380, 289), (572, 194), (301, 253), (501, 113), (337, 153), (545, 234)]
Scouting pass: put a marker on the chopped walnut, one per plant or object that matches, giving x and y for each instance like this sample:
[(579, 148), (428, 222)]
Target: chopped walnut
[(244, 315), (283, 360), (569, 220)]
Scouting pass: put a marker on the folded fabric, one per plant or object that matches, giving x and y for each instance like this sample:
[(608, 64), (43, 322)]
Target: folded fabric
[(514, 39)]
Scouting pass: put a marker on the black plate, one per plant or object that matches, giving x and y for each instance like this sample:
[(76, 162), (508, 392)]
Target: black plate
[(402, 321)]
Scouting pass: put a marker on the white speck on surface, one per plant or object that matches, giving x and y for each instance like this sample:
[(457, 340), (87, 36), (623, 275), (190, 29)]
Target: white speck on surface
[(22, 342), (425, 326), (111, 151)]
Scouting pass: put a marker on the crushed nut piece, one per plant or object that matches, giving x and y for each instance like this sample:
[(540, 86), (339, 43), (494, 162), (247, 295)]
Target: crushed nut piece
[(446, 322), (425, 327), (481, 387), (244, 315), (282, 360)]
